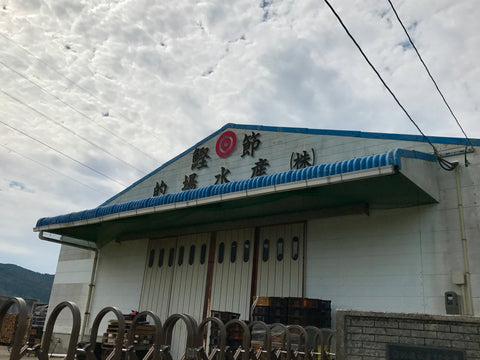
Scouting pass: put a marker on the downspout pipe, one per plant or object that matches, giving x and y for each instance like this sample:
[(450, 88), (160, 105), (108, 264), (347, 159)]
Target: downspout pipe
[(91, 286), (468, 283)]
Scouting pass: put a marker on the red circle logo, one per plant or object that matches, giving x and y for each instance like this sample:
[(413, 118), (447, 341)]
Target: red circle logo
[(226, 144)]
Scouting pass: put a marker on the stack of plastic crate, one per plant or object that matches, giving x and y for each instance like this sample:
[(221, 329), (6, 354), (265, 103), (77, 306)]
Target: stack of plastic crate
[(261, 310), (234, 333)]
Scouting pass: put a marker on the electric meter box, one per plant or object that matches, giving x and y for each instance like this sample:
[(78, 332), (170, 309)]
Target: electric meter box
[(452, 303)]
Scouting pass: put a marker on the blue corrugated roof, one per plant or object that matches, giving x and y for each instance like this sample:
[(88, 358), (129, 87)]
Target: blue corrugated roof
[(392, 158)]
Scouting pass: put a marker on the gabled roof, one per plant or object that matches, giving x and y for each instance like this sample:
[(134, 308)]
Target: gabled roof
[(381, 179), (342, 133)]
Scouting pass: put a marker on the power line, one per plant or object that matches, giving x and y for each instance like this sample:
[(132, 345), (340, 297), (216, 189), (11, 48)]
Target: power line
[(46, 64), (82, 114), (428, 72), (70, 130), (443, 163), (62, 153), (51, 169), (80, 87)]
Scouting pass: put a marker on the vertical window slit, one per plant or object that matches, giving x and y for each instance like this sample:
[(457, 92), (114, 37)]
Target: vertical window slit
[(203, 254), (160, 257), (171, 257), (246, 251), (266, 246), (180, 255), (151, 258), (233, 252), (191, 256), (295, 247), (221, 251), (280, 249)]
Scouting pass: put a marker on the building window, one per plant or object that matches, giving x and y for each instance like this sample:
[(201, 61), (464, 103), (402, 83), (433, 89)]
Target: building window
[(151, 258), (203, 254), (246, 251), (191, 256), (280, 249), (266, 245), (180, 255), (161, 255), (171, 257), (295, 246), (233, 252), (221, 251)]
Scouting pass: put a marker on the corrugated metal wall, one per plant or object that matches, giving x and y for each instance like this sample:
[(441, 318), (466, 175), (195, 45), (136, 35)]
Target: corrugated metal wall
[(280, 261), (232, 276), (188, 288), (176, 270), (175, 280), (157, 282)]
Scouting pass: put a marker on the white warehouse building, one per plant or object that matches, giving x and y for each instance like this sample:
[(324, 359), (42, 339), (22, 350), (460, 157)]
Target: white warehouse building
[(369, 221)]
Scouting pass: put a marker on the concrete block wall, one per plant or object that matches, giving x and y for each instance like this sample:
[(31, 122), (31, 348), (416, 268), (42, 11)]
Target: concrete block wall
[(363, 335)]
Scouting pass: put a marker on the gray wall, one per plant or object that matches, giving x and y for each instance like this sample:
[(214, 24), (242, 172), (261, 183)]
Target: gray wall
[(366, 335)]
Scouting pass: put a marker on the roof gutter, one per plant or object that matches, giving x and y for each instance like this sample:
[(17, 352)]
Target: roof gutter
[(234, 195), (41, 236)]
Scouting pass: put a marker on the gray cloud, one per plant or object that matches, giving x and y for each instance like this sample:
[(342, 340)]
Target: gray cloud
[(170, 73)]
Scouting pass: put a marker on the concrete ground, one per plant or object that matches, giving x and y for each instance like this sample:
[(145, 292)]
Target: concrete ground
[(4, 354)]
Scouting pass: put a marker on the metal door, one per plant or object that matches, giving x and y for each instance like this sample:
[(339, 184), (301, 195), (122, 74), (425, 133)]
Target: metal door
[(175, 275), (188, 284), (189, 279), (175, 280), (157, 282), (232, 275), (280, 261)]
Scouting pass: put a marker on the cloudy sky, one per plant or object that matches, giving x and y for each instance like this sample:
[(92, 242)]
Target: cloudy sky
[(94, 94)]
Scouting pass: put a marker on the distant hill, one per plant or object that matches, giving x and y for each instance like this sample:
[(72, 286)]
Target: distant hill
[(18, 281)]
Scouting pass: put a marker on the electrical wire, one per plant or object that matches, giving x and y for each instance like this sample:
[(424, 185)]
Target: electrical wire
[(428, 72), (43, 165), (86, 91), (62, 153), (71, 131), (82, 114), (446, 165)]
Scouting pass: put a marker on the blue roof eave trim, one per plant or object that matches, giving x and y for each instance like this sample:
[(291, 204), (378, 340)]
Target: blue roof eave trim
[(392, 158), (359, 134)]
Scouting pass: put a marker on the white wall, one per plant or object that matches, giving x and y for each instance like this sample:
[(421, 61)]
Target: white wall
[(119, 278), (401, 259), (470, 182), (393, 260), (71, 283)]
